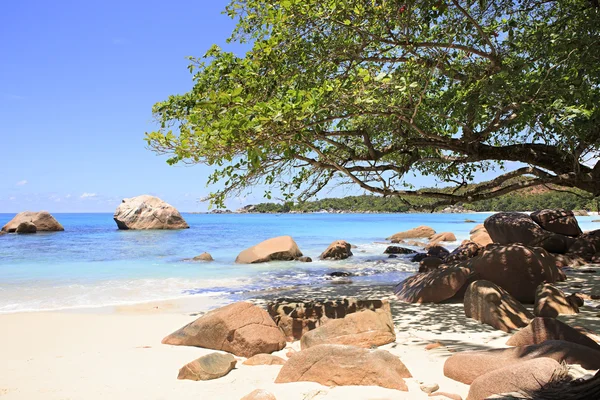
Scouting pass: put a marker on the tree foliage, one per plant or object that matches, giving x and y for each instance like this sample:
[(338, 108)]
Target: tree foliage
[(370, 92)]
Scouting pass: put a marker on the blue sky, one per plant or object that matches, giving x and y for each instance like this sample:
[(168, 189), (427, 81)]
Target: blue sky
[(77, 83)]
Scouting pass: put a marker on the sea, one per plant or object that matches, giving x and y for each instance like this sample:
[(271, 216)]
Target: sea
[(93, 264)]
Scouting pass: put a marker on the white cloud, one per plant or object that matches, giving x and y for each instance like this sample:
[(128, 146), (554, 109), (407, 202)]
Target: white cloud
[(22, 183), (12, 198), (88, 195), (68, 196)]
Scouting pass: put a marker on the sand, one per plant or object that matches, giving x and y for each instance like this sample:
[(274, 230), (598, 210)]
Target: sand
[(115, 353)]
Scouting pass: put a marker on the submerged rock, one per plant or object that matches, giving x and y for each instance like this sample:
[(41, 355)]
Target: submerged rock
[(239, 328), (148, 212), (282, 248), (203, 257), (42, 220), (211, 366), (339, 365), (338, 250)]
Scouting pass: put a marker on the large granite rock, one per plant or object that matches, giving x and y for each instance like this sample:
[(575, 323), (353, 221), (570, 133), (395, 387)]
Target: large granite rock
[(362, 329), (435, 250), (148, 212), (517, 269), (239, 328), (464, 252), (206, 257), (557, 221), (418, 232), (434, 286), (398, 250), (339, 365), (282, 248), (586, 245), (467, 366), (525, 377), (430, 263), (480, 235), (541, 330), (296, 317), (43, 221), (338, 250), (26, 227), (211, 366), (264, 359), (443, 237), (552, 302), (490, 304)]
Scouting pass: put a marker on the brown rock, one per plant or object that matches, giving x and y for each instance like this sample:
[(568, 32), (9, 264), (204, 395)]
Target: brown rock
[(148, 212), (26, 227), (398, 250), (211, 366), (279, 248), (443, 237), (586, 245), (480, 235), (492, 305), (466, 366), (414, 243), (43, 221), (259, 394), (541, 330), (524, 377), (419, 257), (444, 395), (239, 328), (339, 365), (434, 250), (362, 329), (429, 264), (464, 252), (432, 346), (304, 259), (516, 268), (557, 221), (203, 257), (338, 250), (434, 286), (418, 232), (264, 359), (513, 227), (552, 302)]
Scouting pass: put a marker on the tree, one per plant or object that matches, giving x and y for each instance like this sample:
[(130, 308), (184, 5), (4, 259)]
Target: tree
[(370, 91)]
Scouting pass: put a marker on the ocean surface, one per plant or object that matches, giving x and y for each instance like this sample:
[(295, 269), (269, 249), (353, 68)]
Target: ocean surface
[(93, 264)]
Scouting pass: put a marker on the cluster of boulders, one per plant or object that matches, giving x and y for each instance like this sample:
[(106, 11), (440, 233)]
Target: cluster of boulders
[(338, 341), (32, 222)]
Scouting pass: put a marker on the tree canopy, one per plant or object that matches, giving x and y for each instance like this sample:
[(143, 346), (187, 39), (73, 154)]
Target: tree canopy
[(370, 92)]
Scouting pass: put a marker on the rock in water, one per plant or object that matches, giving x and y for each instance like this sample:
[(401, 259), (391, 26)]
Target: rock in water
[(398, 250), (418, 232), (525, 377), (211, 366), (43, 221), (492, 305), (541, 330), (148, 212), (557, 221), (480, 235), (239, 328), (26, 227), (552, 302), (443, 237), (339, 365), (362, 329), (259, 394), (466, 366), (203, 257), (338, 250), (434, 286), (282, 248)]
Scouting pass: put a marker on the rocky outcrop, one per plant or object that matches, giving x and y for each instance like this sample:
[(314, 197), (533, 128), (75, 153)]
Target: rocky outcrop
[(362, 329), (339, 365), (490, 304), (443, 237), (557, 221), (517, 269), (432, 287), (264, 359), (430, 263), (211, 366), (467, 366), (42, 220), (338, 250), (480, 235), (541, 330), (552, 302), (464, 252), (282, 248), (239, 328), (434, 250), (525, 377), (26, 227), (398, 250), (148, 212), (586, 245), (297, 317), (418, 232), (259, 394), (203, 257)]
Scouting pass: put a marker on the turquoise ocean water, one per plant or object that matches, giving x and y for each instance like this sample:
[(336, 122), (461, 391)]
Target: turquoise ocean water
[(93, 264)]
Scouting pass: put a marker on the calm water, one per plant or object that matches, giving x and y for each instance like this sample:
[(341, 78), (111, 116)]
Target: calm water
[(93, 264)]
